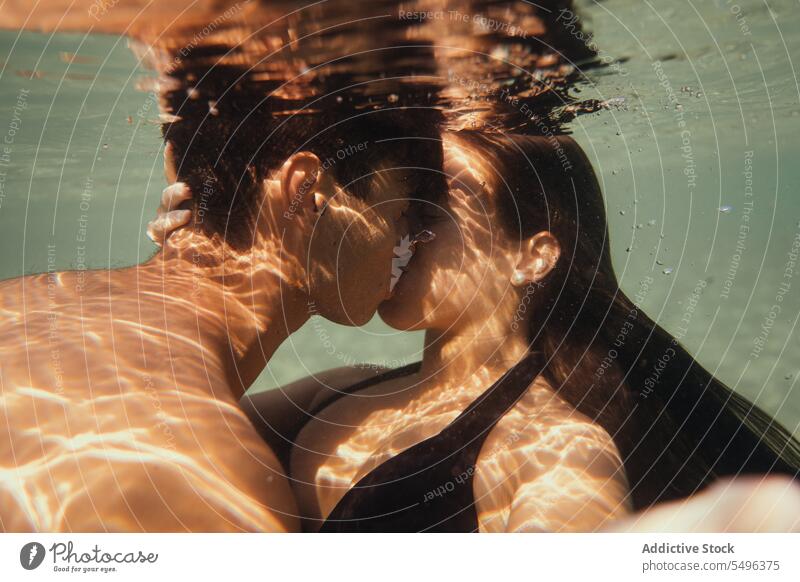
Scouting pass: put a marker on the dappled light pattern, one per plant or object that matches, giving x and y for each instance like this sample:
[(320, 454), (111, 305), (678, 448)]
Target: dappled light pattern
[(118, 399), (119, 389), (543, 467), (566, 476), (496, 65)]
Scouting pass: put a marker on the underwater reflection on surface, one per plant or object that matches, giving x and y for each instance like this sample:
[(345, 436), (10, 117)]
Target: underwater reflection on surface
[(489, 64)]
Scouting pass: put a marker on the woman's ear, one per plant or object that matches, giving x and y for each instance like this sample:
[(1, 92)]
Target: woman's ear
[(299, 177), (538, 257)]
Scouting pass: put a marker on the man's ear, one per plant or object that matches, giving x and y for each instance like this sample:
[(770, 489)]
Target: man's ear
[(299, 177), (538, 257)]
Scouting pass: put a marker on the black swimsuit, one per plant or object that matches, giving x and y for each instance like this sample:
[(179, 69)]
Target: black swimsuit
[(429, 486)]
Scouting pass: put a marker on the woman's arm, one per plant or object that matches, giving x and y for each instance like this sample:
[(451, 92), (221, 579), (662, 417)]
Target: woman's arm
[(279, 414), (750, 503), (573, 481)]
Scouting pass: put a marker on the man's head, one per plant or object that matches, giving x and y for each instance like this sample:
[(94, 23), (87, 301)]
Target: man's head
[(336, 183), (345, 240)]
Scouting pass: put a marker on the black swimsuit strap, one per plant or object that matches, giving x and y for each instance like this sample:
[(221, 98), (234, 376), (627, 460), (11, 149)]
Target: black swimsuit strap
[(428, 487)]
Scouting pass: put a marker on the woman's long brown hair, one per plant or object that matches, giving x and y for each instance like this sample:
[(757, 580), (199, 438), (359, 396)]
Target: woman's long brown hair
[(677, 427)]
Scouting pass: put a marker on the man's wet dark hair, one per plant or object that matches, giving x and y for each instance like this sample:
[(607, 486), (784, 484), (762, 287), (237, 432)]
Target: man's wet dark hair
[(230, 133)]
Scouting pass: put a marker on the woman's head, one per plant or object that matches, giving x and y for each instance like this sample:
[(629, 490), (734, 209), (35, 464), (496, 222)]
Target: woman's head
[(505, 236), (513, 194)]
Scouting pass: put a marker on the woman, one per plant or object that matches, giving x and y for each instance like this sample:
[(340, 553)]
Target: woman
[(517, 419)]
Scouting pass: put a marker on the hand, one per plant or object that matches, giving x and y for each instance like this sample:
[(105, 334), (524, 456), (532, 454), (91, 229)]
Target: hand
[(748, 503), (169, 218)]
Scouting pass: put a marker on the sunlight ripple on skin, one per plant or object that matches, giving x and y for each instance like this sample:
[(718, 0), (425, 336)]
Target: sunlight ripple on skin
[(28, 482), (118, 442), (133, 398), (157, 362), (544, 466)]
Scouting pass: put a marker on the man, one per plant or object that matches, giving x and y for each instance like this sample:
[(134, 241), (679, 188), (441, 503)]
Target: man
[(120, 388)]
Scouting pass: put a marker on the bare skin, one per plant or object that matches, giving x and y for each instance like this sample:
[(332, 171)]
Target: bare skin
[(544, 467), (745, 504), (109, 408), (120, 388)]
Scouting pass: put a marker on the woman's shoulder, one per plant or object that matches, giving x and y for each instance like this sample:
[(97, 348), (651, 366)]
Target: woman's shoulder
[(547, 431), (543, 406)]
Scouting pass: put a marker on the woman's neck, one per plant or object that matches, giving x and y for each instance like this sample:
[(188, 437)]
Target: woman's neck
[(476, 355)]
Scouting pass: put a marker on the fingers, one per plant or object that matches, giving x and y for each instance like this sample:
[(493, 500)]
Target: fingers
[(168, 216), (173, 196), (159, 229), (169, 163)]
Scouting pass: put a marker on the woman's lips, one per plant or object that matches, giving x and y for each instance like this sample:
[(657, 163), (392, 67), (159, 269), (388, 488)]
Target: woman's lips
[(403, 253)]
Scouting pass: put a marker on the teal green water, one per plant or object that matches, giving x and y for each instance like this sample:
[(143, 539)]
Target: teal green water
[(697, 159), (714, 126)]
